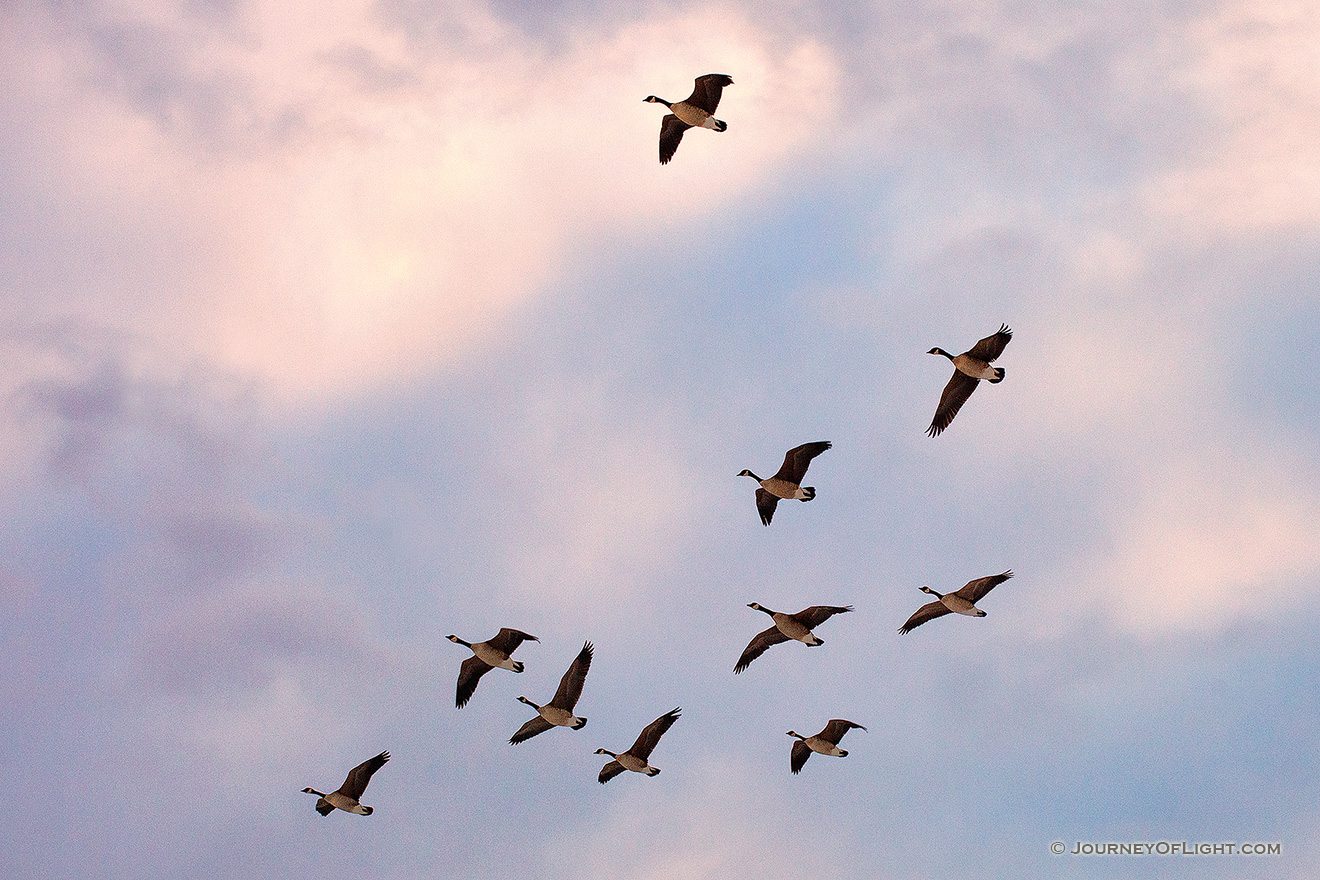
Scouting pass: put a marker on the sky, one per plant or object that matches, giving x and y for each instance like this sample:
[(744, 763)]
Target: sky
[(328, 329)]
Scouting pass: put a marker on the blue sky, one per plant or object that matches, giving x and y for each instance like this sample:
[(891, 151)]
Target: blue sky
[(332, 328)]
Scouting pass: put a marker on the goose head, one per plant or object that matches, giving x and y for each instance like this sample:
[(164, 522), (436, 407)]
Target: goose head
[(313, 791), (938, 350), (926, 589), (528, 702), (605, 752), (746, 473), (456, 640), (652, 99), (795, 734)]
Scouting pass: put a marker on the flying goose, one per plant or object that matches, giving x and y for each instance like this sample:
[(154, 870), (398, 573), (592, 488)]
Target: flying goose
[(635, 758), (788, 626), (346, 798), (969, 368), (824, 743), (962, 601), (559, 711), (787, 483), (485, 657), (697, 111)]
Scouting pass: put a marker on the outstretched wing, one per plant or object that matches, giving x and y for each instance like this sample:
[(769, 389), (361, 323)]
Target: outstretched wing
[(530, 729), (765, 505), (758, 646), (359, 776), (929, 611), (992, 346), (324, 807), (507, 640), (974, 590), (671, 132), (570, 686), (706, 94), (837, 727), (651, 735), (469, 673), (817, 614), (795, 464), (609, 771), (798, 757), (955, 394)]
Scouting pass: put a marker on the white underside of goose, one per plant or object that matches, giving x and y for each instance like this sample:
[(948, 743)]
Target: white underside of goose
[(959, 605), (492, 657), (636, 765), (973, 367), (560, 717), (823, 747)]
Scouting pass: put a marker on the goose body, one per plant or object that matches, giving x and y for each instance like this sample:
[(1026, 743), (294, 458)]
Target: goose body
[(824, 743), (347, 797), (559, 711), (697, 111), (969, 368), (787, 626), (962, 601), (787, 481), (637, 758), (495, 653)]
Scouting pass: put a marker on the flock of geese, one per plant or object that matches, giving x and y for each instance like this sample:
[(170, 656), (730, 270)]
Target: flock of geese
[(969, 369)]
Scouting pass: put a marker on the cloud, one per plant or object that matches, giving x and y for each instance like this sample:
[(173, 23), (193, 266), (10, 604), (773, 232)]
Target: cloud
[(319, 198)]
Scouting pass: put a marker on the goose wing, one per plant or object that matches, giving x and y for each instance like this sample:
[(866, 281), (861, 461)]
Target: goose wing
[(974, 590), (765, 505), (570, 686), (508, 640), (835, 730), (929, 611), (758, 646), (706, 94), (992, 346), (795, 464), (671, 132), (469, 673), (324, 807), (609, 771), (651, 735), (955, 394), (817, 614), (530, 729), (359, 776), (798, 757)]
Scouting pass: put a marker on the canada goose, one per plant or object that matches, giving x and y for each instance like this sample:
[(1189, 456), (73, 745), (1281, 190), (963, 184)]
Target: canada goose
[(787, 483), (969, 368), (697, 111), (485, 657), (346, 798), (559, 711), (825, 743), (788, 626), (635, 758), (962, 601)]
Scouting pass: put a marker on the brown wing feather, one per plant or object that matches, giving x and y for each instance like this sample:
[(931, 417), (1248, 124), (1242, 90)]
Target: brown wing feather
[(835, 730), (817, 614), (469, 673), (798, 757), (530, 729), (651, 735), (359, 776), (609, 771), (570, 686), (508, 640), (974, 590), (992, 346), (671, 132), (765, 505), (707, 91), (955, 394), (929, 611), (758, 646), (794, 469)]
